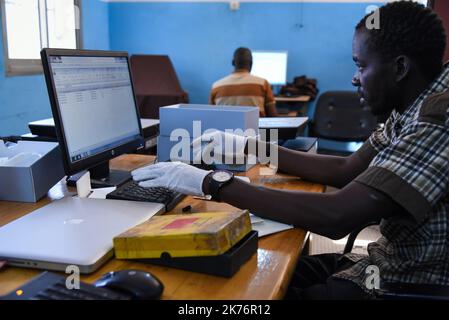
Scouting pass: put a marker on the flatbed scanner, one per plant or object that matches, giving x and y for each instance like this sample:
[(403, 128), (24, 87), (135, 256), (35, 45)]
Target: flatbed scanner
[(46, 129)]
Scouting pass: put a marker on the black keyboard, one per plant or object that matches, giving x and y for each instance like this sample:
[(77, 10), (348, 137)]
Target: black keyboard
[(51, 286), (132, 191)]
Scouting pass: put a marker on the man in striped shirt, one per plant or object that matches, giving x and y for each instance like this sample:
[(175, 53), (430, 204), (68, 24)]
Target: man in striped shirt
[(243, 89)]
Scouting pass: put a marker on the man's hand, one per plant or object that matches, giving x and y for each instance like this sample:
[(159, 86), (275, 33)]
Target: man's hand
[(220, 147), (176, 176)]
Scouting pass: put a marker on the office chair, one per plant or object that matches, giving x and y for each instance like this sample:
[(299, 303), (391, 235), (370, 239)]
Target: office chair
[(156, 84), (339, 117), (401, 291)]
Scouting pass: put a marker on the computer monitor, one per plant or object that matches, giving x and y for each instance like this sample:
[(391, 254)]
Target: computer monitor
[(271, 65), (94, 109)]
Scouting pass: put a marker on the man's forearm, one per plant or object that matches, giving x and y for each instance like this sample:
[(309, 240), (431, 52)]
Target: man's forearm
[(328, 170), (329, 214)]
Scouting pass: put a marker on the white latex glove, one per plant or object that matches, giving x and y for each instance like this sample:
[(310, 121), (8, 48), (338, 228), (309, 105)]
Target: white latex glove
[(217, 147), (176, 176)]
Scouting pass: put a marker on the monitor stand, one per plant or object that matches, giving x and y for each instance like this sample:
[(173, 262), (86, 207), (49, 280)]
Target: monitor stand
[(102, 177)]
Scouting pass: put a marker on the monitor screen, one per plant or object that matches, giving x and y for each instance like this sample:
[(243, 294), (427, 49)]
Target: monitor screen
[(93, 105), (270, 65)]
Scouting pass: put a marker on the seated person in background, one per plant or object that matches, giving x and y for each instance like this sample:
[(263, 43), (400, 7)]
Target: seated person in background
[(243, 89), (399, 176)]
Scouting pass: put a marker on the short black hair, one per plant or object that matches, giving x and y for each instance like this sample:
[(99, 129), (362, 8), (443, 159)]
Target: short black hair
[(243, 59), (411, 29)]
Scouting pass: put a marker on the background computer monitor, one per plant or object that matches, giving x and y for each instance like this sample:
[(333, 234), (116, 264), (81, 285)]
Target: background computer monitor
[(271, 65), (94, 109)]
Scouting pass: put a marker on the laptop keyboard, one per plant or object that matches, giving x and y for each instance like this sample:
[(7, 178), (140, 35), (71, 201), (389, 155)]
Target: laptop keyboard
[(132, 191), (51, 286)]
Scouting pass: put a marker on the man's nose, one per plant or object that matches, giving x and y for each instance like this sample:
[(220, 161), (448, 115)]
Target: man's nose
[(355, 81)]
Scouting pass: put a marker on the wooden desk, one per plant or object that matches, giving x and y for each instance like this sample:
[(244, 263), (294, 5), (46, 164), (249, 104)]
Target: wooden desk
[(265, 276), (292, 106), (292, 99)]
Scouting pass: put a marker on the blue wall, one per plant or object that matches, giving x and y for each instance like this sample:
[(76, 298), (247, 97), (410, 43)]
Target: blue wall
[(201, 37), (95, 25), (24, 98)]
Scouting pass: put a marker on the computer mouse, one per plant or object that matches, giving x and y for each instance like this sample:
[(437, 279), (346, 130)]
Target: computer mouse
[(140, 285)]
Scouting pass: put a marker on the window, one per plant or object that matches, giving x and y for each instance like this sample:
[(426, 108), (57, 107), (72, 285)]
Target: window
[(30, 25)]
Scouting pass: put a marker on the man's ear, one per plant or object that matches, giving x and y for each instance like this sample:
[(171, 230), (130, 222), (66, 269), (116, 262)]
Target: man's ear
[(402, 67)]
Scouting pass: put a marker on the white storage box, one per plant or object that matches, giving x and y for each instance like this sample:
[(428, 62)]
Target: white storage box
[(182, 116), (182, 152), (192, 120), (31, 170)]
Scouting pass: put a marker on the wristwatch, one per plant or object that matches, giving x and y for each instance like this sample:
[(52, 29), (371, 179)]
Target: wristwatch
[(218, 180)]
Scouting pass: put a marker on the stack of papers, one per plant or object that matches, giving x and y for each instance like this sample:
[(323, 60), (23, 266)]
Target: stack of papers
[(265, 227)]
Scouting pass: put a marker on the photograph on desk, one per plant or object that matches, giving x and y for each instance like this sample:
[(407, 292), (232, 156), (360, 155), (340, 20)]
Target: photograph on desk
[(179, 151)]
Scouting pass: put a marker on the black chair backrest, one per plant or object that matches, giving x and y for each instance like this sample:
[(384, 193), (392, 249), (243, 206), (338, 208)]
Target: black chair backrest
[(340, 116)]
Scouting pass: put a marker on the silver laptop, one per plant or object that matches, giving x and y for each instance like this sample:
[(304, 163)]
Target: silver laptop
[(71, 231)]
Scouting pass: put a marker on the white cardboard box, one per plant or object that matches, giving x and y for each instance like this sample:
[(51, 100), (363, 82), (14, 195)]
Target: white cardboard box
[(192, 120), (182, 116), (184, 153), (38, 171)]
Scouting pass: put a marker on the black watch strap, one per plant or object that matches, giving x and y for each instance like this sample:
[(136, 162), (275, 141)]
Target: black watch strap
[(215, 186)]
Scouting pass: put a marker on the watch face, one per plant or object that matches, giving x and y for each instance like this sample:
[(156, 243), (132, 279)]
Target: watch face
[(222, 176)]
